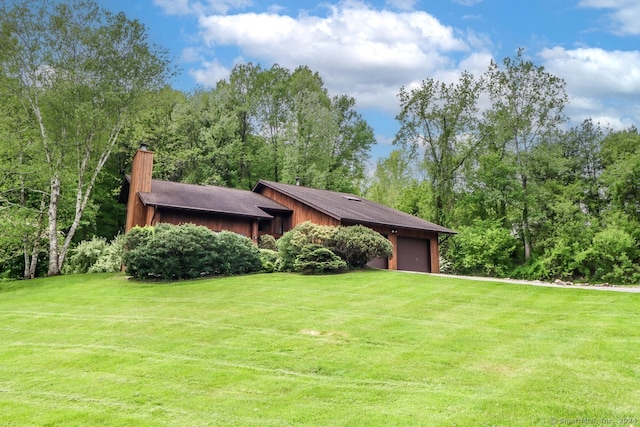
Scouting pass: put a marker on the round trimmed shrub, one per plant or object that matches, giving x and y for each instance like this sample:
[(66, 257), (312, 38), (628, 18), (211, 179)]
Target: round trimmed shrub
[(293, 241), (267, 241), (317, 259), (357, 245)]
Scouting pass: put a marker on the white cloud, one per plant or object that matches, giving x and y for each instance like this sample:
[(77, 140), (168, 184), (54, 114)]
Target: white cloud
[(401, 4), (596, 72), (210, 73), (174, 7), (190, 55), (467, 2), (190, 7), (358, 50), (625, 15), (601, 84)]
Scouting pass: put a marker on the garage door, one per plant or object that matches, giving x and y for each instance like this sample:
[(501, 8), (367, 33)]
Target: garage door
[(413, 255)]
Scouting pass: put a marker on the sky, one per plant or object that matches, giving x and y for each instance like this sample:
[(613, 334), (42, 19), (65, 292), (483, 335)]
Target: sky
[(370, 49)]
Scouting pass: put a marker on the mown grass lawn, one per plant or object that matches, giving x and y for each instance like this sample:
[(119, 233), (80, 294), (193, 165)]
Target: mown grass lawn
[(374, 348)]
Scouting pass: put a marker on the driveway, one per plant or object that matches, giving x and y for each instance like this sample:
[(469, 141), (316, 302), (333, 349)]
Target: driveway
[(613, 288)]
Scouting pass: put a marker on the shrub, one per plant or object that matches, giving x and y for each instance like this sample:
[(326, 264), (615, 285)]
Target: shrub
[(357, 245), (316, 259), (267, 241), (268, 260), (485, 247), (111, 258), (186, 251), (612, 257), (95, 256), (236, 254), (85, 255), (293, 241)]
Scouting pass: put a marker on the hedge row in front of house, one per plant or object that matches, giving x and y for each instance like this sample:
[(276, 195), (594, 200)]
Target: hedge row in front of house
[(170, 252), (187, 251)]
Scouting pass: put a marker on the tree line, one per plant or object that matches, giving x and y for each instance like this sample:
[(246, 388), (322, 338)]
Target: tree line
[(492, 156), (489, 156)]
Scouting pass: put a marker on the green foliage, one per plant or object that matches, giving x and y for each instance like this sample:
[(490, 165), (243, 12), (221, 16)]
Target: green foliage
[(357, 245), (95, 256), (267, 241), (391, 176), (111, 257), (235, 254), (292, 242), (416, 199), (274, 124), (85, 255), (80, 71), (172, 252), (613, 257), (438, 124), (268, 260), (318, 259), (485, 247)]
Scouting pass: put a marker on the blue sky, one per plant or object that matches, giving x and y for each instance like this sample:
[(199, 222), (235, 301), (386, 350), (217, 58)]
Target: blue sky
[(369, 49)]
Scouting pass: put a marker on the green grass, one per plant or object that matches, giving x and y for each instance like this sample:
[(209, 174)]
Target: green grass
[(374, 348)]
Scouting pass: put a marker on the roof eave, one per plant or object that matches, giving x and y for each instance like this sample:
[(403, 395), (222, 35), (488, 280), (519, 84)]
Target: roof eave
[(195, 209), (403, 227)]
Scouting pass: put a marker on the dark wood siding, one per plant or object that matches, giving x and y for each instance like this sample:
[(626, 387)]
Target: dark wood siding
[(244, 226), (301, 212), (382, 262)]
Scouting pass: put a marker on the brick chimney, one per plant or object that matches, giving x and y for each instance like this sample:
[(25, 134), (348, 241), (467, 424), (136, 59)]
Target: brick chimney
[(141, 170)]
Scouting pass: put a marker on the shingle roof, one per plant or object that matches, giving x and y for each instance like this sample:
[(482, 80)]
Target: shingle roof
[(209, 198), (352, 208)]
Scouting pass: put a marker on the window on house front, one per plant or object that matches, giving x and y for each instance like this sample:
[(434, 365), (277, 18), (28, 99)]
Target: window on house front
[(264, 226), (278, 225)]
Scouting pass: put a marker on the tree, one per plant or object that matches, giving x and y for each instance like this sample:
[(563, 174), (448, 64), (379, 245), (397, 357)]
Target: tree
[(527, 106), (80, 72), (392, 175), (621, 177), (349, 146), (266, 124), (271, 113), (22, 190), (440, 120)]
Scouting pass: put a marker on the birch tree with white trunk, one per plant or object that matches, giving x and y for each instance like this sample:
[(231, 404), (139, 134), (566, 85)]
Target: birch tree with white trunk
[(80, 72)]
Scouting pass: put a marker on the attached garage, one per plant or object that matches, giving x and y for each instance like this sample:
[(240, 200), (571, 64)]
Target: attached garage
[(414, 254)]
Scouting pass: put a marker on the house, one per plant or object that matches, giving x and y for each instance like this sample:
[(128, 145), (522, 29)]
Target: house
[(273, 208)]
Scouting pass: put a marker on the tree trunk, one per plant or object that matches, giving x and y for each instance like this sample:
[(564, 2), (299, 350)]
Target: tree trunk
[(526, 232), (27, 260), (54, 267)]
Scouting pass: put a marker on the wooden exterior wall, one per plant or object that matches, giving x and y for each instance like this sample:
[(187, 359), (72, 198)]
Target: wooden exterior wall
[(301, 212), (246, 226), (141, 170)]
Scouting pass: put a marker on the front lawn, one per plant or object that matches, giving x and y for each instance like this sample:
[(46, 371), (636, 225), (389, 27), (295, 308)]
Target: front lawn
[(375, 348)]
